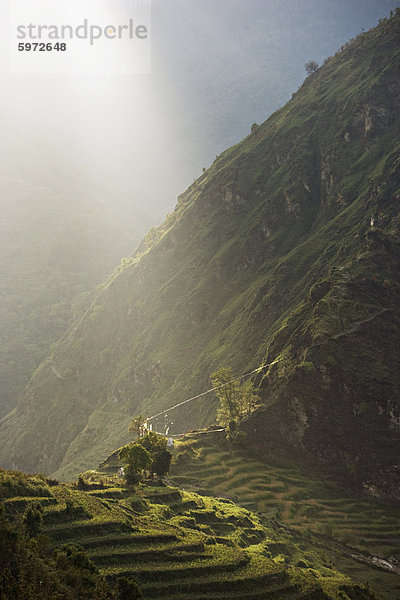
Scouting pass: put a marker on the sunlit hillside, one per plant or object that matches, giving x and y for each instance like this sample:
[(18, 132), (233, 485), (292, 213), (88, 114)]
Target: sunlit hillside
[(286, 247), (94, 538)]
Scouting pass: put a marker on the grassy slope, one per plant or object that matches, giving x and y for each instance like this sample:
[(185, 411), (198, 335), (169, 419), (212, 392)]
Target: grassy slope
[(176, 543), (228, 269), (347, 530)]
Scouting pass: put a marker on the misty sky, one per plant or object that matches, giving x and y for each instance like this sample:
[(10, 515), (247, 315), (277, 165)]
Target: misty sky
[(217, 67)]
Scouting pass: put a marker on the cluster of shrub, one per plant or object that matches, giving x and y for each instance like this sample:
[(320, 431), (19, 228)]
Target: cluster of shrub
[(148, 455)]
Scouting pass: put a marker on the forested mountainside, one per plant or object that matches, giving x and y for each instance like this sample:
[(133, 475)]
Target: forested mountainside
[(286, 248), (60, 236)]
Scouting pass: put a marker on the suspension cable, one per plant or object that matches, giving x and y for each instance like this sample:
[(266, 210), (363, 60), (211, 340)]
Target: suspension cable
[(213, 389)]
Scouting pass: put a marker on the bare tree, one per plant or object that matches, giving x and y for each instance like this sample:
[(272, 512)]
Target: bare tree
[(311, 67)]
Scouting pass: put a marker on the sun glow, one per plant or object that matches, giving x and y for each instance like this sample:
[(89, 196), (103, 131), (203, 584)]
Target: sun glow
[(111, 121)]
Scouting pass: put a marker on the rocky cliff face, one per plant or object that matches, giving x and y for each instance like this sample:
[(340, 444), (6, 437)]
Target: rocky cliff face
[(269, 254), (334, 395)]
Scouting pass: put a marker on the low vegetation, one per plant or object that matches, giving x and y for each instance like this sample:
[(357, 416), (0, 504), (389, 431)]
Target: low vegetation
[(151, 541), (354, 533)]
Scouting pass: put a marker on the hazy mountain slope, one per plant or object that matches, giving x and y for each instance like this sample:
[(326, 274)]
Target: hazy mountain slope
[(59, 237), (240, 254)]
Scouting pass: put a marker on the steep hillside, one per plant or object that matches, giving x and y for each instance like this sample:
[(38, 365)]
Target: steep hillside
[(269, 254), (170, 542), (335, 393)]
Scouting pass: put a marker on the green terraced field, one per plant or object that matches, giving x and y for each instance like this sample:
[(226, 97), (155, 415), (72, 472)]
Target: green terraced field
[(179, 545), (349, 530)]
